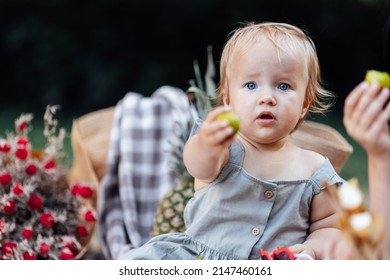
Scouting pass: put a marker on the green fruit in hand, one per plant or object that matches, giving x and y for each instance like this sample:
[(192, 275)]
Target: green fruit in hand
[(382, 78), (232, 119)]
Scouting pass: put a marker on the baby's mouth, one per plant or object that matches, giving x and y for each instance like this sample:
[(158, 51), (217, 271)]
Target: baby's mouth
[(266, 116)]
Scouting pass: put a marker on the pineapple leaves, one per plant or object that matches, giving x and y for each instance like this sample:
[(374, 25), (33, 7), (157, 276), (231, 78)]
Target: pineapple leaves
[(205, 92)]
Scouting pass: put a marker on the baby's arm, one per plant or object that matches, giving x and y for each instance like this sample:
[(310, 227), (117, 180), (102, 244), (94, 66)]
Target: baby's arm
[(323, 231), (366, 119), (205, 153)]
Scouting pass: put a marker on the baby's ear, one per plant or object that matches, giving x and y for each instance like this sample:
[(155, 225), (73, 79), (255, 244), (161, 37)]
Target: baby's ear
[(306, 104), (225, 98), (304, 112)]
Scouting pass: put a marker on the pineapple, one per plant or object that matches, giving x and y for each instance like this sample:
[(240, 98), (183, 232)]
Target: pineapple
[(169, 214)]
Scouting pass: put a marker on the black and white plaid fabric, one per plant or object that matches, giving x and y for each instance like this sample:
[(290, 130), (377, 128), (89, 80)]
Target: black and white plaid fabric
[(138, 173)]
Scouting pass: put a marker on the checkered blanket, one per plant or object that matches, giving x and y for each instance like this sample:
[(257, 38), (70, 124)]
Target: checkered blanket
[(139, 172)]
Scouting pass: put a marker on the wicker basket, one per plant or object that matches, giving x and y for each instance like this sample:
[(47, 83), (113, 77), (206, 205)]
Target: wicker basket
[(90, 137), (323, 139), (90, 140)]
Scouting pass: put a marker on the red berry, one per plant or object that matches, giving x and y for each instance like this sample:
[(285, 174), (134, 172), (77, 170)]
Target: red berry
[(34, 202), (75, 189), (31, 169), (47, 219), (89, 216), (283, 253), (5, 148), (22, 141), (264, 255), (44, 248), (66, 254), (21, 153), (22, 126), (9, 206), (8, 247), (71, 245), (5, 178), (17, 189), (50, 164), (27, 233), (85, 191), (82, 231), (29, 256)]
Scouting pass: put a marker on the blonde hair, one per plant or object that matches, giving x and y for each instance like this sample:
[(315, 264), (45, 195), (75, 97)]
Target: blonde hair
[(289, 39)]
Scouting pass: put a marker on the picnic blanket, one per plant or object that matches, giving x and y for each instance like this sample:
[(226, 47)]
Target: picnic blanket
[(138, 169)]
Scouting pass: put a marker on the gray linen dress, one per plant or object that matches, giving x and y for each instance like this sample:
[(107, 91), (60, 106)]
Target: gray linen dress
[(237, 215)]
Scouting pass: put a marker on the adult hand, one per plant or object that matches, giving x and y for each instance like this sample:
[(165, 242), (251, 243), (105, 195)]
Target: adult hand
[(366, 117)]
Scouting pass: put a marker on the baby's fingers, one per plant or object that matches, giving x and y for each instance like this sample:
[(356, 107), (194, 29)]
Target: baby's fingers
[(297, 248), (218, 130), (215, 112)]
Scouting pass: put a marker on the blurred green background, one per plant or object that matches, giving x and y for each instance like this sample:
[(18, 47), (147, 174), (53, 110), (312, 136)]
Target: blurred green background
[(86, 55)]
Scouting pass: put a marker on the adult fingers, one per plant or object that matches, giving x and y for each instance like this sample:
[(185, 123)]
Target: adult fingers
[(353, 98), (374, 110)]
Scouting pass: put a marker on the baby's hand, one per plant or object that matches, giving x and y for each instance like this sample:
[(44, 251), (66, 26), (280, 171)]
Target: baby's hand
[(215, 133), (302, 252)]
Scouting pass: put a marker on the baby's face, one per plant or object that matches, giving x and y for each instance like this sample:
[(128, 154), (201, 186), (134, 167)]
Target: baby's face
[(267, 90)]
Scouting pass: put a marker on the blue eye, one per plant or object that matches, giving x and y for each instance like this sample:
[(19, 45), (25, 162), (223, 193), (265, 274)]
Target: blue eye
[(251, 85), (283, 86)]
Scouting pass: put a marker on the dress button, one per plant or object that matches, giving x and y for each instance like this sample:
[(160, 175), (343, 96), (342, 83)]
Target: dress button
[(268, 194), (255, 231)]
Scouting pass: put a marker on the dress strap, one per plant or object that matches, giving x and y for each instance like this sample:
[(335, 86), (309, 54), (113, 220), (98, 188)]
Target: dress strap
[(326, 173), (236, 153)]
